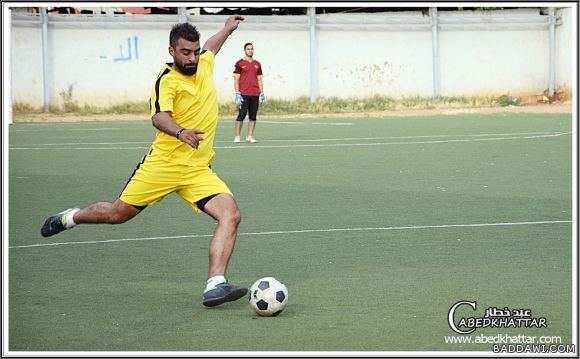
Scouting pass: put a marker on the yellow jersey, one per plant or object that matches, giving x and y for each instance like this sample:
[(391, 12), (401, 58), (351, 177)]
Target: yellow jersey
[(192, 101)]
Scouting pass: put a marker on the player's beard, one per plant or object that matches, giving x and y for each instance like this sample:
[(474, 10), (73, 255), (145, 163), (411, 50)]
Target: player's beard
[(188, 70)]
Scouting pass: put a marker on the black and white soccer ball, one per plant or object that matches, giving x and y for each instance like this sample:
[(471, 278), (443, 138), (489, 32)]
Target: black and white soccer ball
[(268, 297)]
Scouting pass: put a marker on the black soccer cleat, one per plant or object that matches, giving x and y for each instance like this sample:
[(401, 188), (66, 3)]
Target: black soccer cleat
[(54, 224), (223, 293)]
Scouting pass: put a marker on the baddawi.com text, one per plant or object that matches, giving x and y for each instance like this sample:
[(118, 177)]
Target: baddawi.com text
[(504, 343)]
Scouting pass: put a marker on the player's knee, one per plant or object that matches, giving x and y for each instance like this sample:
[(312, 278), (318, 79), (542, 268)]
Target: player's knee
[(234, 216), (237, 216), (231, 217)]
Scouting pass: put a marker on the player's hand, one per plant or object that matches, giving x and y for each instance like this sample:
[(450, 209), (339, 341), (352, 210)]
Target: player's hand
[(191, 137), (239, 99), (233, 21), (262, 98)]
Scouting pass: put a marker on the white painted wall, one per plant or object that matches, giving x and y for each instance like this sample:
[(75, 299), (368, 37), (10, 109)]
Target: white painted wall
[(26, 63), (371, 62), (564, 49), (380, 54), (494, 62)]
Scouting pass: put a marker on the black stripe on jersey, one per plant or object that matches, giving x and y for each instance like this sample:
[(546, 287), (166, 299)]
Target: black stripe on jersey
[(203, 52), (157, 108), (135, 170)]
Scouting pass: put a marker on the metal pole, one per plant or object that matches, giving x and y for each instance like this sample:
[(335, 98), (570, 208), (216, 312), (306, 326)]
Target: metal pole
[(313, 55), (44, 20), (552, 64), (435, 46), (182, 14), (6, 67)]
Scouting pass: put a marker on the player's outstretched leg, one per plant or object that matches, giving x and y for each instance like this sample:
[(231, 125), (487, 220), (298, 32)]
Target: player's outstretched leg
[(101, 212)]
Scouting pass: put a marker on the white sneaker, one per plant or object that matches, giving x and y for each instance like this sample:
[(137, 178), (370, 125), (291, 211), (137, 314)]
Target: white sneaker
[(237, 139), (251, 139)]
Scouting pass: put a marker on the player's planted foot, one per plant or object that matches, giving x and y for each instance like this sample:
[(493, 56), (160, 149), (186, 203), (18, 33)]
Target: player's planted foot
[(222, 293), (56, 223), (251, 139), (237, 139)]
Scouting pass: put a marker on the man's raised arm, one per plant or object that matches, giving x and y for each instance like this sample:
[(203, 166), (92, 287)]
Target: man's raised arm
[(214, 43)]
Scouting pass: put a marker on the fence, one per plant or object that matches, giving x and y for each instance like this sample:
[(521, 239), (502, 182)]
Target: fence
[(110, 59)]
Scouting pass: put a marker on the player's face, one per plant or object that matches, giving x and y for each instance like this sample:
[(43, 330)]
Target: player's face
[(249, 51), (185, 56)]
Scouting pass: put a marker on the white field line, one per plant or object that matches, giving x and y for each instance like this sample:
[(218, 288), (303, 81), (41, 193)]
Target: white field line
[(397, 143), (521, 137), (302, 231), (297, 123), (410, 137), (317, 139), (70, 129), (92, 143)]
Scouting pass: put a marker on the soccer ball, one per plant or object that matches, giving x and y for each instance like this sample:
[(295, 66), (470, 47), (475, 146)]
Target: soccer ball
[(268, 297)]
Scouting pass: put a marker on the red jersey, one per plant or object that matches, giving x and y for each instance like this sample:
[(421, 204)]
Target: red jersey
[(249, 72)]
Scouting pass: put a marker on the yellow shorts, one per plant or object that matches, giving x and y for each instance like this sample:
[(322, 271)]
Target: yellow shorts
[(154, 178)]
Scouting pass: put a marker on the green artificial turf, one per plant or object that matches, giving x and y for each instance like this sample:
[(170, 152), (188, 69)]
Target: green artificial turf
[(370, 223)]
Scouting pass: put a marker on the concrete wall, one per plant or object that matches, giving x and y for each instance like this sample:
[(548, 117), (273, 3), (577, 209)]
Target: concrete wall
[(375, 62), (494, 62), (565, 49), (111, 62)]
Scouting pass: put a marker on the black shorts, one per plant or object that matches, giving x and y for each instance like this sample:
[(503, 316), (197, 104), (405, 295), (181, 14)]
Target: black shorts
[(250, 104)]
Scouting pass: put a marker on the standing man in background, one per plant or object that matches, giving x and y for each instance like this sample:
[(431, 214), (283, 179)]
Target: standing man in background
[(249, 91)]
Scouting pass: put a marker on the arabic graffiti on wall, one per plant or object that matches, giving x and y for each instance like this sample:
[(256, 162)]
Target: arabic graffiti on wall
[(128, 52)]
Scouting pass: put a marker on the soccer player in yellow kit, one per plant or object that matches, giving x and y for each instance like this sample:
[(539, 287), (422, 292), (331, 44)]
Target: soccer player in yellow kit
[(184, 110)]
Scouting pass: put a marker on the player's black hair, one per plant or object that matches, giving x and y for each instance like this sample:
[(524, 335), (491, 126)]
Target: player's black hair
[(185, 31), (247, 43)]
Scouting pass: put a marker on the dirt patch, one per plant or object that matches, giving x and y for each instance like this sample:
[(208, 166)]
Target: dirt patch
[(562, 96), (547, 108), (557, 107)]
